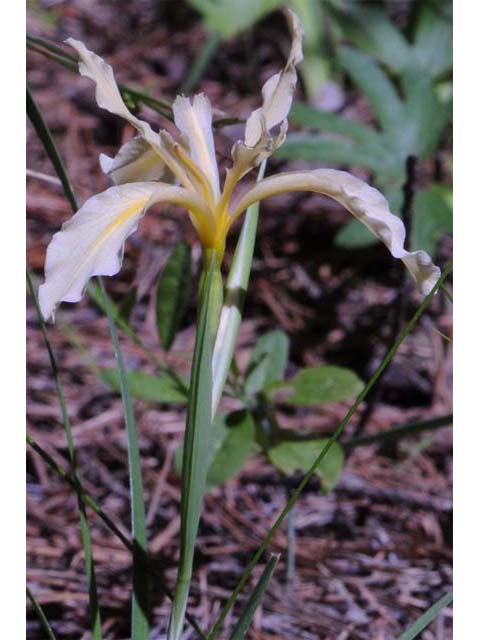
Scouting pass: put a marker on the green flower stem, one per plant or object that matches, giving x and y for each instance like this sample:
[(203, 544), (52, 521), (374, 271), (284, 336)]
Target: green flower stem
[(196, 445), (201, 62), (339, 430)]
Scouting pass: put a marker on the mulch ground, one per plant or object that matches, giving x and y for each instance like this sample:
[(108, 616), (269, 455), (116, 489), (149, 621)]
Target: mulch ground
[(372, 555)]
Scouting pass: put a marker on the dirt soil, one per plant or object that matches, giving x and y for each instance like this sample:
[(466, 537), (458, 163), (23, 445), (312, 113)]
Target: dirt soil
[(372, 555)]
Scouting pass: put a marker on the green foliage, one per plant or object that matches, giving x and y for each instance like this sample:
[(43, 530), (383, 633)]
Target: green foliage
[(317, 385), (230, 17), (299, 456), (433, 217), (146, 387), (173, 291), (416, 629), (411, 113), (232, 442), (268, 362)]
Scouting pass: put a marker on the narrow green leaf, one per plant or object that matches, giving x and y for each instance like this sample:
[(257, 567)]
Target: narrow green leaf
[(235, 290), (84, 529), (267, 362), (195, 454), (299, 456), (317, 385), (40, 613), (108, 522), (48, 142), (173, 291), (429, 615), (146, 387), (139, 534), (201, 62), (339, 430), (45, 136), (246, 617), (400, 432)]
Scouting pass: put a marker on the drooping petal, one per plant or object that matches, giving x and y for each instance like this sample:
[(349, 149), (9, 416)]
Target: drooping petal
[(278, 91), (108, 97), (136, 161), (364, 202), (194, 120), (91, 242)]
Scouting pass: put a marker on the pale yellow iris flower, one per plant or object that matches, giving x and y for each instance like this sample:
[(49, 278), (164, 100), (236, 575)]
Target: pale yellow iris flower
[(91, 242)]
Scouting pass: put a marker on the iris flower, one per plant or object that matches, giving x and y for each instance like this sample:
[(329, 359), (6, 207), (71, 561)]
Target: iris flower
[(154, 167)]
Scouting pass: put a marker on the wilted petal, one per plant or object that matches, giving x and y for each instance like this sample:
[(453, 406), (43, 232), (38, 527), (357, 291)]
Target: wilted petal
[(364, 202), (278, 91), (108, 97), (91, 242), (135, 162), (194, 120)]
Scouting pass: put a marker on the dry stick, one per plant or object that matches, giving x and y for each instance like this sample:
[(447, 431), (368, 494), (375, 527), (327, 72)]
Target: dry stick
[(399, 307), (339, 430)]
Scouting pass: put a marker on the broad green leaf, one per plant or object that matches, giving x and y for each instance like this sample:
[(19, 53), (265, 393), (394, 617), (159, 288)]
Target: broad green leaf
[(371, 30), (375, 84), (328, 151), (268, 361), (432, 52), (317, 385), (230, 17), (232, 442), (237, 445), (299, 456), (146, 387), (173, 291), (433, 217), (302, 114), (354, 235)]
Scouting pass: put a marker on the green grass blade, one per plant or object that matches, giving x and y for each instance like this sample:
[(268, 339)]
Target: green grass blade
[(108, 522), (84, 530), (235, 291), (400, 432), (139, 535), (339, 430), (45, 136), (201, 62), (246, 616), (195, 453), (41, 615), (429, 615)]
